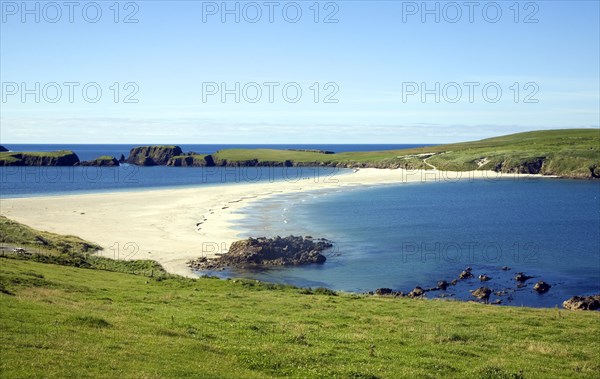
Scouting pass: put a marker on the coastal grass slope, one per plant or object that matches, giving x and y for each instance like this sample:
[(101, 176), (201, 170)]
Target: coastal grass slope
[(65, 320), (46, 247), (70, 322), (571, 153)]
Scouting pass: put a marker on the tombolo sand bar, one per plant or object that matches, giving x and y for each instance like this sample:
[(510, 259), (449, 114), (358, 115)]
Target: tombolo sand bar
[(173, 226)]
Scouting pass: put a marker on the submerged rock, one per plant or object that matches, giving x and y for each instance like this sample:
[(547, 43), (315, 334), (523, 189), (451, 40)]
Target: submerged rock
[(586, 303), (465, 274), (541, 287), (442, 284), (484, 278), (522, 278)]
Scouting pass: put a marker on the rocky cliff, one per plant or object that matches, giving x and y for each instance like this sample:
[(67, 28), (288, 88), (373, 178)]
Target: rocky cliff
[(528, 166), (153, 155), (3, 149), (191, 160)]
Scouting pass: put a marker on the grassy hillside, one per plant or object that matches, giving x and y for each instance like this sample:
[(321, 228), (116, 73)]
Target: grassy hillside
[(12, 232), (569, 153), (53, 248), (59, 321)]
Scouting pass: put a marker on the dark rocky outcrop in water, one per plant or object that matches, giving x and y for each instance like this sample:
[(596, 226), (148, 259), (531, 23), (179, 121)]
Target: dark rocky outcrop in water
[(522, 278), (466, 274), (122, 159), (263, 251), (442, 284), (101, 162), (484, 293), (3, 149), (586, 303), (152, 155), (541, 287), (56, 158)]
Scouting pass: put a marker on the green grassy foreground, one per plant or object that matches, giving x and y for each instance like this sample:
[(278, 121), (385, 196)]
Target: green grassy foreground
[(571, 153), (71, 322), (63, 319)]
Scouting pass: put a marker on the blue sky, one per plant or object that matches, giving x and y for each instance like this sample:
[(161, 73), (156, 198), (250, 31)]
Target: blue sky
[(371, 58)]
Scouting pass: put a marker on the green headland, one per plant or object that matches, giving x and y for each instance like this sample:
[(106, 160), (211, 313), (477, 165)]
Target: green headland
[(572, 153)]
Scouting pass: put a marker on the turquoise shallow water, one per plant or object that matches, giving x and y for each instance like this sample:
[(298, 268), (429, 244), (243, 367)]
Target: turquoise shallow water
[(416, 234)]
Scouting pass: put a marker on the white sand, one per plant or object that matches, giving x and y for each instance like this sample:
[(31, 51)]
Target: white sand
[(161, 224)]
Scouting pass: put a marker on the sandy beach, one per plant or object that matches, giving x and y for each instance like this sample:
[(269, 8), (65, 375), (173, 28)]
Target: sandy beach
[(173, 226)]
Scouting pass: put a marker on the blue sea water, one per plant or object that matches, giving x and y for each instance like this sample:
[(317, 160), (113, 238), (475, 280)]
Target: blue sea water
[(406, 235), (37, 181)]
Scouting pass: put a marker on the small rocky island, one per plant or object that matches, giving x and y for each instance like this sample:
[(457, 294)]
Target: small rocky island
[(103, 161), (51, 158), (278, 251), (153, 155)]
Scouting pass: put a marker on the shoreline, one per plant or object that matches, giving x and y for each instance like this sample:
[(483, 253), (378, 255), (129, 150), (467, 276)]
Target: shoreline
[(173, 226)]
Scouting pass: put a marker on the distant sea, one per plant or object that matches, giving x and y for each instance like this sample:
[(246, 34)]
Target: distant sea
[(42, 181)]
